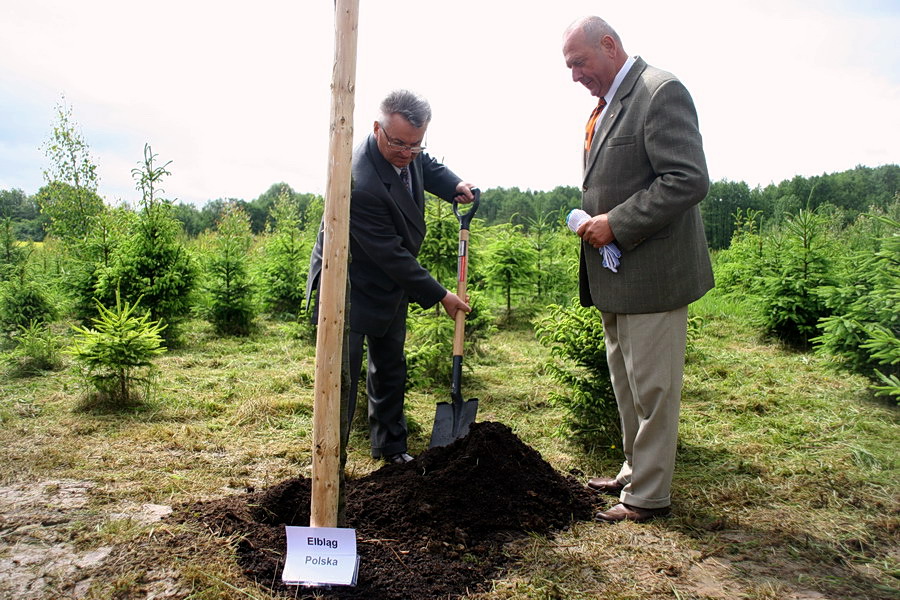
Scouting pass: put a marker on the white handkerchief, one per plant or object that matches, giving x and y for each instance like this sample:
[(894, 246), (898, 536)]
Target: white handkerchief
[(611, 253)]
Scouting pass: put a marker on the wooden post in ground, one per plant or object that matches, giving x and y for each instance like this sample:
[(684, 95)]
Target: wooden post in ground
[(333, 280)]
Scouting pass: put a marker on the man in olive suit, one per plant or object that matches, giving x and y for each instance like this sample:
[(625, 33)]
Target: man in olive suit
[(644, 176)]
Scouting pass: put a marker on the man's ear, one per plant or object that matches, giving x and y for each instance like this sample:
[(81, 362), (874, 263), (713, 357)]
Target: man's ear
[(608, 45)]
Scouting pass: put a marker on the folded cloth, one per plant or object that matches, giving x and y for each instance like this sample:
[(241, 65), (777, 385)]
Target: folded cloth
[(611, 256), (611, 253)]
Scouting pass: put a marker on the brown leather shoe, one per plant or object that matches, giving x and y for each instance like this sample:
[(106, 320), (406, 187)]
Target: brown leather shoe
[(627, 512), (605, 485)]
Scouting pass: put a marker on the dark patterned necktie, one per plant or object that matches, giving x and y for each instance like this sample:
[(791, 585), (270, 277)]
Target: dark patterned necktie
[(592, 123), (404, 177)]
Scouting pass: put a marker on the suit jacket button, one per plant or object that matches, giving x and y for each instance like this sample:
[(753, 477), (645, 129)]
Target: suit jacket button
[(584, 188)]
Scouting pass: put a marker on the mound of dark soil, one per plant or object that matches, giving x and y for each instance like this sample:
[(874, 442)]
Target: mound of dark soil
[(432, 528)]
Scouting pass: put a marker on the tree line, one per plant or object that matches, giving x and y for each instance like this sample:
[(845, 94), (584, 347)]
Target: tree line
[(816, 260), (849, 193)]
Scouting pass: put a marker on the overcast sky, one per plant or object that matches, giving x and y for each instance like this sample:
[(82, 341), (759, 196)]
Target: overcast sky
[(237, 94)]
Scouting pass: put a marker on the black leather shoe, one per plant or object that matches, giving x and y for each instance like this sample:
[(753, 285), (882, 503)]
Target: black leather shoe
[(627, 512), (399, 458), (605, 485)]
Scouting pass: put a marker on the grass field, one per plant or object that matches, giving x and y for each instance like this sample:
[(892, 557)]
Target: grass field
[(786, 485)]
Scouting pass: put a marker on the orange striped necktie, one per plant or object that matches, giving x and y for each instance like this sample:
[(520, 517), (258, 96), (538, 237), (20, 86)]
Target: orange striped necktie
[(591, 124)]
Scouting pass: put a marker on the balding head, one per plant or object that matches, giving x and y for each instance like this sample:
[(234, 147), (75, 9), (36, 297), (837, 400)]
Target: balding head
[(594, 53), (593, 29)]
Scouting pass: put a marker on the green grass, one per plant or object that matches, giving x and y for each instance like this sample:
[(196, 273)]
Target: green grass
[(786, 482)]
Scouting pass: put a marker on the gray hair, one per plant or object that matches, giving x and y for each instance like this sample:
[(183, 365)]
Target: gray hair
[(594, 28), (411, 106)]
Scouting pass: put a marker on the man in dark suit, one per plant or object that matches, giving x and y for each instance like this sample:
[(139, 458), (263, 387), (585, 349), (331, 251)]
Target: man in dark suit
[(644, 176), (387, 225)]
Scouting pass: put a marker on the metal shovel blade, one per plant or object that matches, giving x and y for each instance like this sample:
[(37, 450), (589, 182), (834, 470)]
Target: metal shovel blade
[(452, 421)]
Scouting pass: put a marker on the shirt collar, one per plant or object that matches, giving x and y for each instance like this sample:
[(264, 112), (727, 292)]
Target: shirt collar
[(618, 80)]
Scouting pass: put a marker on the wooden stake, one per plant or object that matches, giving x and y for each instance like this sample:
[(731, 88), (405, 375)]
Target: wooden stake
[(333, 280)]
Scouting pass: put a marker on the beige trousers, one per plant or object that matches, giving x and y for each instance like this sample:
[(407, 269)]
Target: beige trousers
[(646, 363)]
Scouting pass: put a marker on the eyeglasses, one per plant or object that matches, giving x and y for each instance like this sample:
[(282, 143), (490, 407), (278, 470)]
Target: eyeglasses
[(400, 147)]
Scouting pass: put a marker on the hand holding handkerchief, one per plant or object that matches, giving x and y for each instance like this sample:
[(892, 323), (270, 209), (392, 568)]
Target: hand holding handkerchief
[(611, 253)]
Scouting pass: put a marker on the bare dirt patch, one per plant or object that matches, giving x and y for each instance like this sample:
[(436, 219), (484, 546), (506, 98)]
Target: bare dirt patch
[(433, 528), (40, 555), (37, 555)]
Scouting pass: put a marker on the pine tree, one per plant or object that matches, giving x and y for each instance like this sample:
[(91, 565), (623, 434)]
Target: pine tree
[(152, 262), (231, 309)]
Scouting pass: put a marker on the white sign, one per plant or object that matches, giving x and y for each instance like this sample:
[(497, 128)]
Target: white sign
[(320, 556)]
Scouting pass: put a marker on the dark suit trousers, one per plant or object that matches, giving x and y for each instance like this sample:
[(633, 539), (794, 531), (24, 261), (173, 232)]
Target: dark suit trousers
[(385, 385)]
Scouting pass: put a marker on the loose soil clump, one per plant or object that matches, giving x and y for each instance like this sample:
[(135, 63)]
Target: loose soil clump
[(432, 528)]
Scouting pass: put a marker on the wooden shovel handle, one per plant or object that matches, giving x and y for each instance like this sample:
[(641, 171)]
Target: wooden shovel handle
[(462, 268)]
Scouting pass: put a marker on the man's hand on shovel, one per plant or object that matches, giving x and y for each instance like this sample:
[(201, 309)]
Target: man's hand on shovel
[(464, 193), (453, 303)]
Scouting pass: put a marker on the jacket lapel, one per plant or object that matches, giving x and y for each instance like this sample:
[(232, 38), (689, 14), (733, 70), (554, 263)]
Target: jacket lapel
[(612, 113), (395, 188), (418, 183)]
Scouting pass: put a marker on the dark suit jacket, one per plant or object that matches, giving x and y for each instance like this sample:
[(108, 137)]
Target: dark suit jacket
[(647, 170), (387, 226)]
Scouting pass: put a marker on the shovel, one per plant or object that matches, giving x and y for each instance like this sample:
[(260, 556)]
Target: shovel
[(452, 419)]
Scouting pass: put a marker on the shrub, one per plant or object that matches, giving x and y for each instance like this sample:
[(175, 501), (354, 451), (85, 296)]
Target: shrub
[(557, 264), (91, 264), (285, 262), (152, 263), (23, 302), (511, 263), (440, 248), (429, 348), (799, 262), (429, 342), (37, 349), (736, 267), (117, 353), (890, 386), (12, 254), (885, 348), (863, 330), (574, 335), (230, 310)]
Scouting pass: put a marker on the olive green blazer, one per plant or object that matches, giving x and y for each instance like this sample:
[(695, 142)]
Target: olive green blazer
[(646, 169)]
